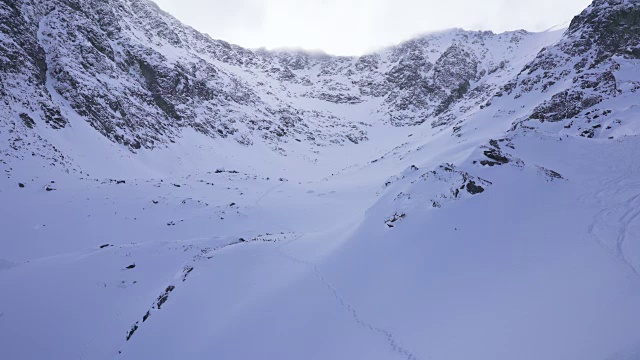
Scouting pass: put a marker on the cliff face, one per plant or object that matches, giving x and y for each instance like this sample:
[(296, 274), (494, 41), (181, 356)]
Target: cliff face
[(138, 76), (587, 66), (141, 78)]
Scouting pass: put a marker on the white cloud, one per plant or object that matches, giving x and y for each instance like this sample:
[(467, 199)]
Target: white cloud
[(351, 27)]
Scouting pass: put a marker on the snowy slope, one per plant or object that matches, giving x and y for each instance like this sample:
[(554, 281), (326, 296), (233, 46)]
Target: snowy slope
[(461, 195)]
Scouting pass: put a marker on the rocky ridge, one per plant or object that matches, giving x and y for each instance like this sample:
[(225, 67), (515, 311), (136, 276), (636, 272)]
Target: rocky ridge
[(141, 78), (138, 76)]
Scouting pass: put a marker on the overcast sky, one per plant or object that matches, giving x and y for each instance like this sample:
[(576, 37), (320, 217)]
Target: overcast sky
[(353, 27)]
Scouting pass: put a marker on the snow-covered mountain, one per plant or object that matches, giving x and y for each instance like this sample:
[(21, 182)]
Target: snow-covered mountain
[(139, 77), (461, 195)]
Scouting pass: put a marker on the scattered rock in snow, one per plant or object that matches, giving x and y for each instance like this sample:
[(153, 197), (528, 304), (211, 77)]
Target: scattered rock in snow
[(390, 222), (474, 189)]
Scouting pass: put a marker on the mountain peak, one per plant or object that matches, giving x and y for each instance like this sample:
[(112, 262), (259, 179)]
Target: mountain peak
[(611, 26)]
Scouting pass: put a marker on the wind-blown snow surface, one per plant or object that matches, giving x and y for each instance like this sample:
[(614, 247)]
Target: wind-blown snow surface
[(534, 267), (487, 233)]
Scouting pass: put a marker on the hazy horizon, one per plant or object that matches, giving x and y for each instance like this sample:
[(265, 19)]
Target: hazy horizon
[(356, 27)]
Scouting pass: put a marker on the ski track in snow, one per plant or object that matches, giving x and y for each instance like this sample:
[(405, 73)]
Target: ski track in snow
[(98, 335), (389, 337), (622, 215), (266, 193)]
